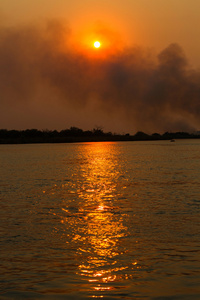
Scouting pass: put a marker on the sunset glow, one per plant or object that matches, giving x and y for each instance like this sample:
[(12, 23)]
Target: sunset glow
[(92, 93), (97, 44), (89, 62)]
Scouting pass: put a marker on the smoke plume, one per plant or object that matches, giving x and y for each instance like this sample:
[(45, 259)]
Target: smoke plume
[(46, 82)]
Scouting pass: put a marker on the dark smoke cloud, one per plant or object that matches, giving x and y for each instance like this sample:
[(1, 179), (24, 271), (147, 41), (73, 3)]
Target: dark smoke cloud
[(41, 73)]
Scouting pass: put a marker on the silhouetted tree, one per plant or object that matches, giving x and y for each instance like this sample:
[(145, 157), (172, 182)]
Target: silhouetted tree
[(141, 136)]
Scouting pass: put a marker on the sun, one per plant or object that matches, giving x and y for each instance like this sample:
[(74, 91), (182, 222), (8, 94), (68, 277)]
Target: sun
[(97, 44)]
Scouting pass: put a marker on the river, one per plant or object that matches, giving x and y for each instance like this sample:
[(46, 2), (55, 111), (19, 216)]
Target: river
[(115, 220)]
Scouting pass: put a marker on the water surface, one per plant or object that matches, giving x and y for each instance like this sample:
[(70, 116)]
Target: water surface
[(100, 220)]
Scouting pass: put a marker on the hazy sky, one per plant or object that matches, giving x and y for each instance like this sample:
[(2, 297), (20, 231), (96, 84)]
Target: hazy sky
[(145, 76)]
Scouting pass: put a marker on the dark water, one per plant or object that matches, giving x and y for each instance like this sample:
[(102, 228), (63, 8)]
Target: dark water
[(100, 220)]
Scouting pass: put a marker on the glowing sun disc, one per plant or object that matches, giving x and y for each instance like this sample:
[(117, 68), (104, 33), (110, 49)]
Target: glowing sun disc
[(97, 44)]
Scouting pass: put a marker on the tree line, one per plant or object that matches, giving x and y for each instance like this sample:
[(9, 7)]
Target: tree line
[(75, 134)]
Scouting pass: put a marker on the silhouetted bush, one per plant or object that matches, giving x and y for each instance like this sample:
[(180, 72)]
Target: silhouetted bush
[(141, 136)]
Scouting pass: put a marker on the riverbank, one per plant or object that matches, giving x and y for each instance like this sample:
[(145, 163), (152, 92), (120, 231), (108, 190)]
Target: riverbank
[(74, 135)]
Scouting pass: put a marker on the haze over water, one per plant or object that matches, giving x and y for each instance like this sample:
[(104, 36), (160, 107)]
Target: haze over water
[(102, 220)]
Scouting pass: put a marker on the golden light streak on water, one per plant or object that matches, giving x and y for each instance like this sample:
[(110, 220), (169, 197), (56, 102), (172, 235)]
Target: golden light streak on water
[(99, 237)]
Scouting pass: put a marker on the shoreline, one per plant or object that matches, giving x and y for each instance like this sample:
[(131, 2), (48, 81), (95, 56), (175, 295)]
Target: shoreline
[(67, 140)]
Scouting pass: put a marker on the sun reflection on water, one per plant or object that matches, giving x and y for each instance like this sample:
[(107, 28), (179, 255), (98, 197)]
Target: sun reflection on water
[(98, 224)]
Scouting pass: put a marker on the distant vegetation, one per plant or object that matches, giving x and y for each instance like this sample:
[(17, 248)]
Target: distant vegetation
[(75, 134)]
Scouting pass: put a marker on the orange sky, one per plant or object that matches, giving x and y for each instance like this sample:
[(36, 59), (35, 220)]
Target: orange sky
[(145, 76), (153, 24)]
